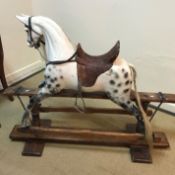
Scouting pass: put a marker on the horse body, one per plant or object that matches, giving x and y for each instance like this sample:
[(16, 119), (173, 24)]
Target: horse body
[(116, 82), (58, 47)]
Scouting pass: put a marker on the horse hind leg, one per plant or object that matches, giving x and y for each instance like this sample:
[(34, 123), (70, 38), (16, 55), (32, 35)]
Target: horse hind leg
[(134, 110), (128, 105), (118, 89)]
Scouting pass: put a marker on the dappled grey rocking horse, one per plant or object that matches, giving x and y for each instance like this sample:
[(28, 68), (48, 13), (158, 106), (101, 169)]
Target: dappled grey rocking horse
[(71, 68)]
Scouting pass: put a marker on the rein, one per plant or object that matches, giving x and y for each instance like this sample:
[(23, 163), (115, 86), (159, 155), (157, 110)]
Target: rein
[(30, 28), (64, 61)]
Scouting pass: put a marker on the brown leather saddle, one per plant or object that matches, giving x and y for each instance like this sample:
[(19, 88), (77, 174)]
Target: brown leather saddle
[(90, 67)]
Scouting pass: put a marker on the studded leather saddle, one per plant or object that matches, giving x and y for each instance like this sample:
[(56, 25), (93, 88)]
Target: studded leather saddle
[(90, 67)]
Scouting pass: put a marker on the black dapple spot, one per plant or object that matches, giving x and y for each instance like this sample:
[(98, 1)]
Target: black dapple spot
[(128, 102), (49, 86), (126, 75), (34, 100), (123, 105), (42, 84), (52, 80), (119, 85), (115, 91), (57, 85), (61, 77), (112, 82), (126, 90), (127, 82), (47, 76)]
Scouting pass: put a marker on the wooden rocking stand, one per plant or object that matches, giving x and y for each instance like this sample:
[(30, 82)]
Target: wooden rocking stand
[(41, 131)]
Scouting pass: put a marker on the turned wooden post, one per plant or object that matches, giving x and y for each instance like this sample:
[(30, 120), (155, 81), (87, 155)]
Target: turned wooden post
[(36, 116)]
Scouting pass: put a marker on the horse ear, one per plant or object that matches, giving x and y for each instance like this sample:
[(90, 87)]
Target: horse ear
[(22, 19)]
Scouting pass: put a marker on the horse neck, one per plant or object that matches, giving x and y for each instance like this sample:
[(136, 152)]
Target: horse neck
[(42, 51), (57, 45)]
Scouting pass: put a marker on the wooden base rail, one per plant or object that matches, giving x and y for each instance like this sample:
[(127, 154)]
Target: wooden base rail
[(41, 131)]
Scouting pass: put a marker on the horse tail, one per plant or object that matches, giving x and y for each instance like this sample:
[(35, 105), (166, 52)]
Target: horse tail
[(148, 128)]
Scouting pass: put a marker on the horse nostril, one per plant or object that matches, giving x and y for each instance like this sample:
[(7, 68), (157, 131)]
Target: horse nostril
[(29, 44), (28, 40)]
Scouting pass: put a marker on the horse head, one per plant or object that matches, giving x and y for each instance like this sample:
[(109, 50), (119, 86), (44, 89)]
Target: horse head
[(34, 33), (43, 30)]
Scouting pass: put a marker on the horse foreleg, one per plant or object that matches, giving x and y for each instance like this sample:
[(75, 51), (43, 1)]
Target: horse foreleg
[(34, 102)]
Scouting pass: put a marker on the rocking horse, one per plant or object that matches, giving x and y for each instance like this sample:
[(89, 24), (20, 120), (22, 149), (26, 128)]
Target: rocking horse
[(71, 68)]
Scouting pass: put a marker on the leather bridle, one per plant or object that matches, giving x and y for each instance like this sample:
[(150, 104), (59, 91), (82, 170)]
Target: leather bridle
[(30, 30), (37, 44)]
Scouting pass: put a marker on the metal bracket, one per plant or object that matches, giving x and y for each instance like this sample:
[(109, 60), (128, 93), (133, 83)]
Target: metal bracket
[(162, 99)]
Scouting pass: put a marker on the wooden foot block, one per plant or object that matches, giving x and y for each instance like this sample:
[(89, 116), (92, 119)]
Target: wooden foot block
[(160, 140), (33, 148), (140, 154)]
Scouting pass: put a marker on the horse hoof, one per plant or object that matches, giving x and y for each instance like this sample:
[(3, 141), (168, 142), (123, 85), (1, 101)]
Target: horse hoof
[(23, 127), (25, 124)]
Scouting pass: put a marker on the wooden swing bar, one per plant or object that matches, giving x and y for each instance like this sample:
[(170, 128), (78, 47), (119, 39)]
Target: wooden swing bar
[(146, 97)]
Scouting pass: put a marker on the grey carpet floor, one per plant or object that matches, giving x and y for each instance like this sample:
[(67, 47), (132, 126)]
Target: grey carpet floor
[(66, 159)]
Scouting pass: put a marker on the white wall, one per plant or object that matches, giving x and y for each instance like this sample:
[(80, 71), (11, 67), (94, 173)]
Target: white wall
[(146, 30), (19, 60)]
